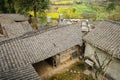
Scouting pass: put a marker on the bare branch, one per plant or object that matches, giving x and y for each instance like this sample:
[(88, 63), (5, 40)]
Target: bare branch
[(103, 64)]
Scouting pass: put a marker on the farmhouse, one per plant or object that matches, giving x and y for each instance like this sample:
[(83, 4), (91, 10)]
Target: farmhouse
[(104, 41), (18, 55)]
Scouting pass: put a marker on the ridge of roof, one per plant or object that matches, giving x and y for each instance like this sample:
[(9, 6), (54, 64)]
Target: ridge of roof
[(15, 17), (38, 44), (111, 21)]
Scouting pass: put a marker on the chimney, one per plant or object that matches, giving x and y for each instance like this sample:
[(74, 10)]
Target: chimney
[(60, 18)]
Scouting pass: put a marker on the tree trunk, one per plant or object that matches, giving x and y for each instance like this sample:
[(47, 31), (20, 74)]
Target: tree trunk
[(35, 12), (35, 17)]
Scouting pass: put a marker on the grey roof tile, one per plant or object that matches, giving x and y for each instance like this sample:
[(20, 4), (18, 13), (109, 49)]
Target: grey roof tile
[(37, 46), (22, 73), (106, 36), (16, 29), (11, 28)]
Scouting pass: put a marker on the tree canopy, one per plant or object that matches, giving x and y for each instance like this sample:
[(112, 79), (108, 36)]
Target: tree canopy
[(7, 6), (22, 6)]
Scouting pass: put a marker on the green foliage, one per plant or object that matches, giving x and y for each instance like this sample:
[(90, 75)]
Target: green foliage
[(84, 8), (41, 17), (111, 6), (36, 6), (65, 2), (2, 6), (115, 14), (69, 13), (79, 66), (53, 15), (63, 76), (7, 6), (79, 11), (68, 75), (22, 6), (114, 17), (101, 12), (93, 12), (28, 5), (102, 16), (62, 2), (109, 10)]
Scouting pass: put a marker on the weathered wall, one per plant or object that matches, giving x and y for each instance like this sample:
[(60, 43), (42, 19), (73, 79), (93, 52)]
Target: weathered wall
[(67, 54), (113, 69)]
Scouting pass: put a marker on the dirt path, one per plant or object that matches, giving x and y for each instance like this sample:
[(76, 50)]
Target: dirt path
[(49, 71)]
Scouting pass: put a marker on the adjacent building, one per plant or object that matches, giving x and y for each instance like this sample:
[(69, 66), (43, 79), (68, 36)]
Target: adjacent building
[(104, 41), (13, 25)]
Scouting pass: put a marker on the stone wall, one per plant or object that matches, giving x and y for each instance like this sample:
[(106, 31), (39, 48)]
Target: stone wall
[(67, 54), (113, 69)]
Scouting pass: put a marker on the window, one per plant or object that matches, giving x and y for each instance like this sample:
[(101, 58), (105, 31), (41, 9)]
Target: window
[(74, 55)]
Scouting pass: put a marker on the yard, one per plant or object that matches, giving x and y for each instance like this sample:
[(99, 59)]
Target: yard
[(75, 72)]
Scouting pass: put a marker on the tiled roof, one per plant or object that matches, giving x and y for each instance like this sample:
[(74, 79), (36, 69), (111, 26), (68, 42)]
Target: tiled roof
[(22, 73), (16, 29), (15, 17), (106, 36), (13, 29), (28, 49)]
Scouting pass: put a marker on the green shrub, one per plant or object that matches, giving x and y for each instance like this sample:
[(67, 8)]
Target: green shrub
[(53, 15), (62, 2)]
